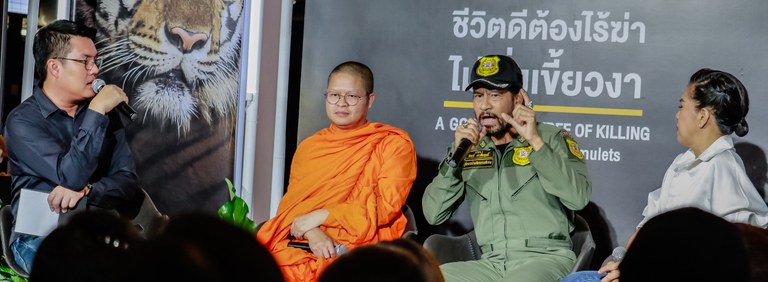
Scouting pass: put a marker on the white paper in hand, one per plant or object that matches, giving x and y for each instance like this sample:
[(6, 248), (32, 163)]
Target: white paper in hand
[(34, 216)]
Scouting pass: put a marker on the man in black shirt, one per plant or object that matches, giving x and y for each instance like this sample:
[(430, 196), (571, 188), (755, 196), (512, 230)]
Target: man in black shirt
[(64, 140)]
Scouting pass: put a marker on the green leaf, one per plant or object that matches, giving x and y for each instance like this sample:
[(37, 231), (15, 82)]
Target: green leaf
[(231, 189), (7, 274), (226, 212), (5, 269), (240, 213), (250, 226), (235, 210)]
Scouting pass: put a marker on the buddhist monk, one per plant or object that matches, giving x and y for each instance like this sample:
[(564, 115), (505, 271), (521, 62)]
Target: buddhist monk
[(348, 182)]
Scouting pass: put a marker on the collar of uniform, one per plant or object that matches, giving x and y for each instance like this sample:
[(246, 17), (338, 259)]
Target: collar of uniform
[(521, 141), (486, 142)]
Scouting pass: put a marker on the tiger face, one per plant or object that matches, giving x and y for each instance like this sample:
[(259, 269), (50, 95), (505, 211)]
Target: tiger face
[(177, 59)]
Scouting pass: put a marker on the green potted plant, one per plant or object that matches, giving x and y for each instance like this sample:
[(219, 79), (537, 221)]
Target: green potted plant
[(235, 210)]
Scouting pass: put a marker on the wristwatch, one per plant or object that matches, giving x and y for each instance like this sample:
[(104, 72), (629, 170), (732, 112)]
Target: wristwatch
[(88, 189)]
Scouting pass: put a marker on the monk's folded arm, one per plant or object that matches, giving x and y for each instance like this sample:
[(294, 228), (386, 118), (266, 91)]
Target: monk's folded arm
[(395, 178)]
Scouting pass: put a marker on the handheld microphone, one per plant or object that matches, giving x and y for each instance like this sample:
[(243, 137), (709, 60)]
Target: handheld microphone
[(618, 253), (616, 256), (123, 108), (458, 154), (340, 249)]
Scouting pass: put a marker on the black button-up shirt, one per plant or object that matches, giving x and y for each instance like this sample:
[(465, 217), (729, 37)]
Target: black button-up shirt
[(47, 148)]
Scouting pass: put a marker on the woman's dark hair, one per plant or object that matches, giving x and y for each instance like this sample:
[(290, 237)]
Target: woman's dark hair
[(724, 94)]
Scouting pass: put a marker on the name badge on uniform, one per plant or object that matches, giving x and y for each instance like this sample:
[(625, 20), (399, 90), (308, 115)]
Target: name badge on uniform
[(479, 159), (520, 155)]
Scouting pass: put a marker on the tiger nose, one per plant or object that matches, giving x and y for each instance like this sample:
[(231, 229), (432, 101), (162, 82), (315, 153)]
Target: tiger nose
[(186, 40)]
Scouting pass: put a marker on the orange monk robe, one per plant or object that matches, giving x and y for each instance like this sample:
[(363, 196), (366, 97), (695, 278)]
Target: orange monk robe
[(361, 176)]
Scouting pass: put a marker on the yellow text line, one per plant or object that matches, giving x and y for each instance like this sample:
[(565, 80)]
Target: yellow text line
[(562, 109)]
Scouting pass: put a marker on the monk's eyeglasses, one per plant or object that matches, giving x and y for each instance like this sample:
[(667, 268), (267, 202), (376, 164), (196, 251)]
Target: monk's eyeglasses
[(351, 98)]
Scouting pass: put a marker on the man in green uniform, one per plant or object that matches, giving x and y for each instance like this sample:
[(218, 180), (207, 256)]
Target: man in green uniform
[(523, 180)]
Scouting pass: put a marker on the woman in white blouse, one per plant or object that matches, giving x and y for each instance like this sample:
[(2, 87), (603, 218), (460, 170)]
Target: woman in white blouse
[(709, 175)]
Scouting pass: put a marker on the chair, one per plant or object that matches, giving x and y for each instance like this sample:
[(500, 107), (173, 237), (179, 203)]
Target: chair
[(464, 248), (583, 244), (143, 213), (411, 231), (6, 226), (453, 248)]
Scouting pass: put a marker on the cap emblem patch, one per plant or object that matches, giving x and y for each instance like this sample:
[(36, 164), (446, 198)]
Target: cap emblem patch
[(488, 66)]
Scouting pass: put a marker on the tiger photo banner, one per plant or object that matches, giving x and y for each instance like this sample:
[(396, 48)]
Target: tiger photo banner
[(179, 64)]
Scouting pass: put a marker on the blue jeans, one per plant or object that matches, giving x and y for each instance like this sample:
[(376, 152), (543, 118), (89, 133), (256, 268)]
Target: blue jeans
[(583, 276), (24, 249)]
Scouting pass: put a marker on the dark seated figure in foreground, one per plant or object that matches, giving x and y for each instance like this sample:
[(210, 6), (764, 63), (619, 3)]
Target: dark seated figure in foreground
[(92, 246), (687, 244), (397, 260), (201, 247)]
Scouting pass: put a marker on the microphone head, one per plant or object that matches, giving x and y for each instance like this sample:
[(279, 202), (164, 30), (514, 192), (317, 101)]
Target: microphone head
[(341, 249), (619, 252), (97, 85)]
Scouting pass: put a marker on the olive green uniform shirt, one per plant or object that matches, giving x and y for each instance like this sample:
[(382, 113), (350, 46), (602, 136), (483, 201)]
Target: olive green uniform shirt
[(521, 201)]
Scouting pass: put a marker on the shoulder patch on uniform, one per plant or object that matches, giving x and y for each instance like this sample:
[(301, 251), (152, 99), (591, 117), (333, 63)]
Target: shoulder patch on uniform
[(566, 134), (573, 147)]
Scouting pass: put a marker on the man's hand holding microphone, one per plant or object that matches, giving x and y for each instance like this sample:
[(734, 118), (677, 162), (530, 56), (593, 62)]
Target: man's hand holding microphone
[(466, 136), (109, 97)]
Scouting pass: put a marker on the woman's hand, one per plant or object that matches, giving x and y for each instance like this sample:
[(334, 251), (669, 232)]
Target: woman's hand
[(612, 268)]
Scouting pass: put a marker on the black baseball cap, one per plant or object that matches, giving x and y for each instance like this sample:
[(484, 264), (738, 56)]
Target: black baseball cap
[(496, 71)]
